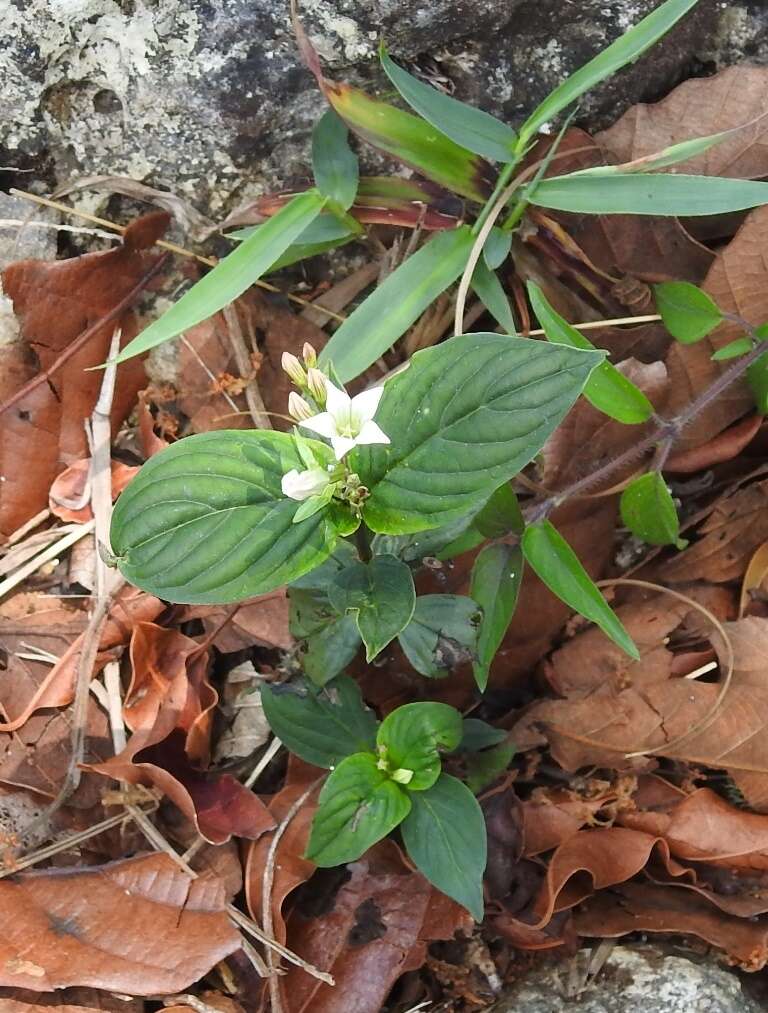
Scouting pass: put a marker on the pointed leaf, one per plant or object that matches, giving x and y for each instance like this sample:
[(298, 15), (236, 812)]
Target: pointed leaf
[(732, 350), (322, 726), (479, 735), (233, 275), (334, 163), (607, 389), (442, 633), (473, 128), (462, 419), (205, 520), (483, 768), (389, 311), (621, 52), (359, 804), (328, 651), (497, 247), (382, 597), (491, 294), (689, 314), (558, 566), (640, 194), (648, 510), (444, 835), (495, 585), (411, 737), (670, 155)]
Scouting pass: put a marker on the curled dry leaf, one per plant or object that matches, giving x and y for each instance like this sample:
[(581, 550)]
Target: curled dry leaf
[(169, 707), (69, 496), (697, 108), (721, 448), (378, 927), (139, 926), (262, 621), (550, 818), (56, 302)]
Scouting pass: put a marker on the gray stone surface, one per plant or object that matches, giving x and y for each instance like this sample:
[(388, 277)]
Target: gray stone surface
[(644, 980), (209, 98)]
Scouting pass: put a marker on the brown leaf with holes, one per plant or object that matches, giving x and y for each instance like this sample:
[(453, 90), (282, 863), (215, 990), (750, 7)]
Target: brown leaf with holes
[(169, 707), (140, 926), (378, 926), (55, 303), (726, 541), (642, 907), (697, 108)]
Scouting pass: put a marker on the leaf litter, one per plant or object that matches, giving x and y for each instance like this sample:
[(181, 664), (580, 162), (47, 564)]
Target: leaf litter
[(637, 799)]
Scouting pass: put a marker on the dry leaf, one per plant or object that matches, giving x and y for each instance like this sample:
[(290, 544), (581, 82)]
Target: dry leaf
[(205, 355), (140, 926), (69, 496), (723, 447), (697, 108), (66, 1000)]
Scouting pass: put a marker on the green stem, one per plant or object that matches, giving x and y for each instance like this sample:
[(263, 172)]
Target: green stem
[(504, 178)]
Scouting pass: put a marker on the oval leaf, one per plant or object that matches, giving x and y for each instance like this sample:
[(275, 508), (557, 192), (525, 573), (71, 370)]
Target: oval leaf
[(640, 194), (334, 163), (558, 566), (205, 520), (320, 726), (462, 419), (444, 835), (495, 585), (409, 740), (648, 510), (442, 633), (233, 275), (470, 127), (607, 389), (359, 804), (382, 596), (688, 313), (388, 312)]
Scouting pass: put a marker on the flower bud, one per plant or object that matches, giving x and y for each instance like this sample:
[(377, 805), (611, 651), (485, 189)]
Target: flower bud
[(303, 485), (317, 387), (293, 368), (309, 355), (298, 408)]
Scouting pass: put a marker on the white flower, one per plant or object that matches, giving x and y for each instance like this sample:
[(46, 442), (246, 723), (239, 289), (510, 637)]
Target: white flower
[(302, 485), (348, 421)]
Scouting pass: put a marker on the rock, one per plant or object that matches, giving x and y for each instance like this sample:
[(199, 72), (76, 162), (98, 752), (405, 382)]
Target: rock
[(209, 97), (632, 979), (34, 239)]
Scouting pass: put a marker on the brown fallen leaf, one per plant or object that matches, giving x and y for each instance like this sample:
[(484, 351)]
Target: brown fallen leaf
[(169, 706), (379, 925), (551, 817), (697, 108), (66, 1000), (70, 488), (642, 907), (737, 526), (140, 926), (205, 355), (721, 448), (262, 621), (55, 303)]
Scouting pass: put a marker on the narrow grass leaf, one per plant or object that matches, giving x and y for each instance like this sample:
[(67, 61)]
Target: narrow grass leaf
[(334, 163), (491, 294)]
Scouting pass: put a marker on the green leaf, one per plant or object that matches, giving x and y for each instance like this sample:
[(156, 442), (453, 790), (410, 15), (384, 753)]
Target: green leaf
[(205, 520), (607, 389), (318, 579), (463, 418), (334, 163), (359, 804), (320, 726), (382, 597), (670, 155), (621, 52), (757, 379), (233, 275), (328, 651), (688, 313), (479, 735), (483, 768), (491, 294), (391, 309), (557, 566), (494, 585), (442, 633), (732, 350), (411, 737), (648, 510), (497, 247), (473, 128), (414, 141), (500, 514), (444, 835), (641, 194)]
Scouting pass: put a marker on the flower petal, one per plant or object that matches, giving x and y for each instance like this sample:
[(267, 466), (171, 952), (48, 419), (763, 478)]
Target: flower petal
[(371, 433), (324, 424), (338, 401), (342, 445), (302, 485), (365, 404)]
